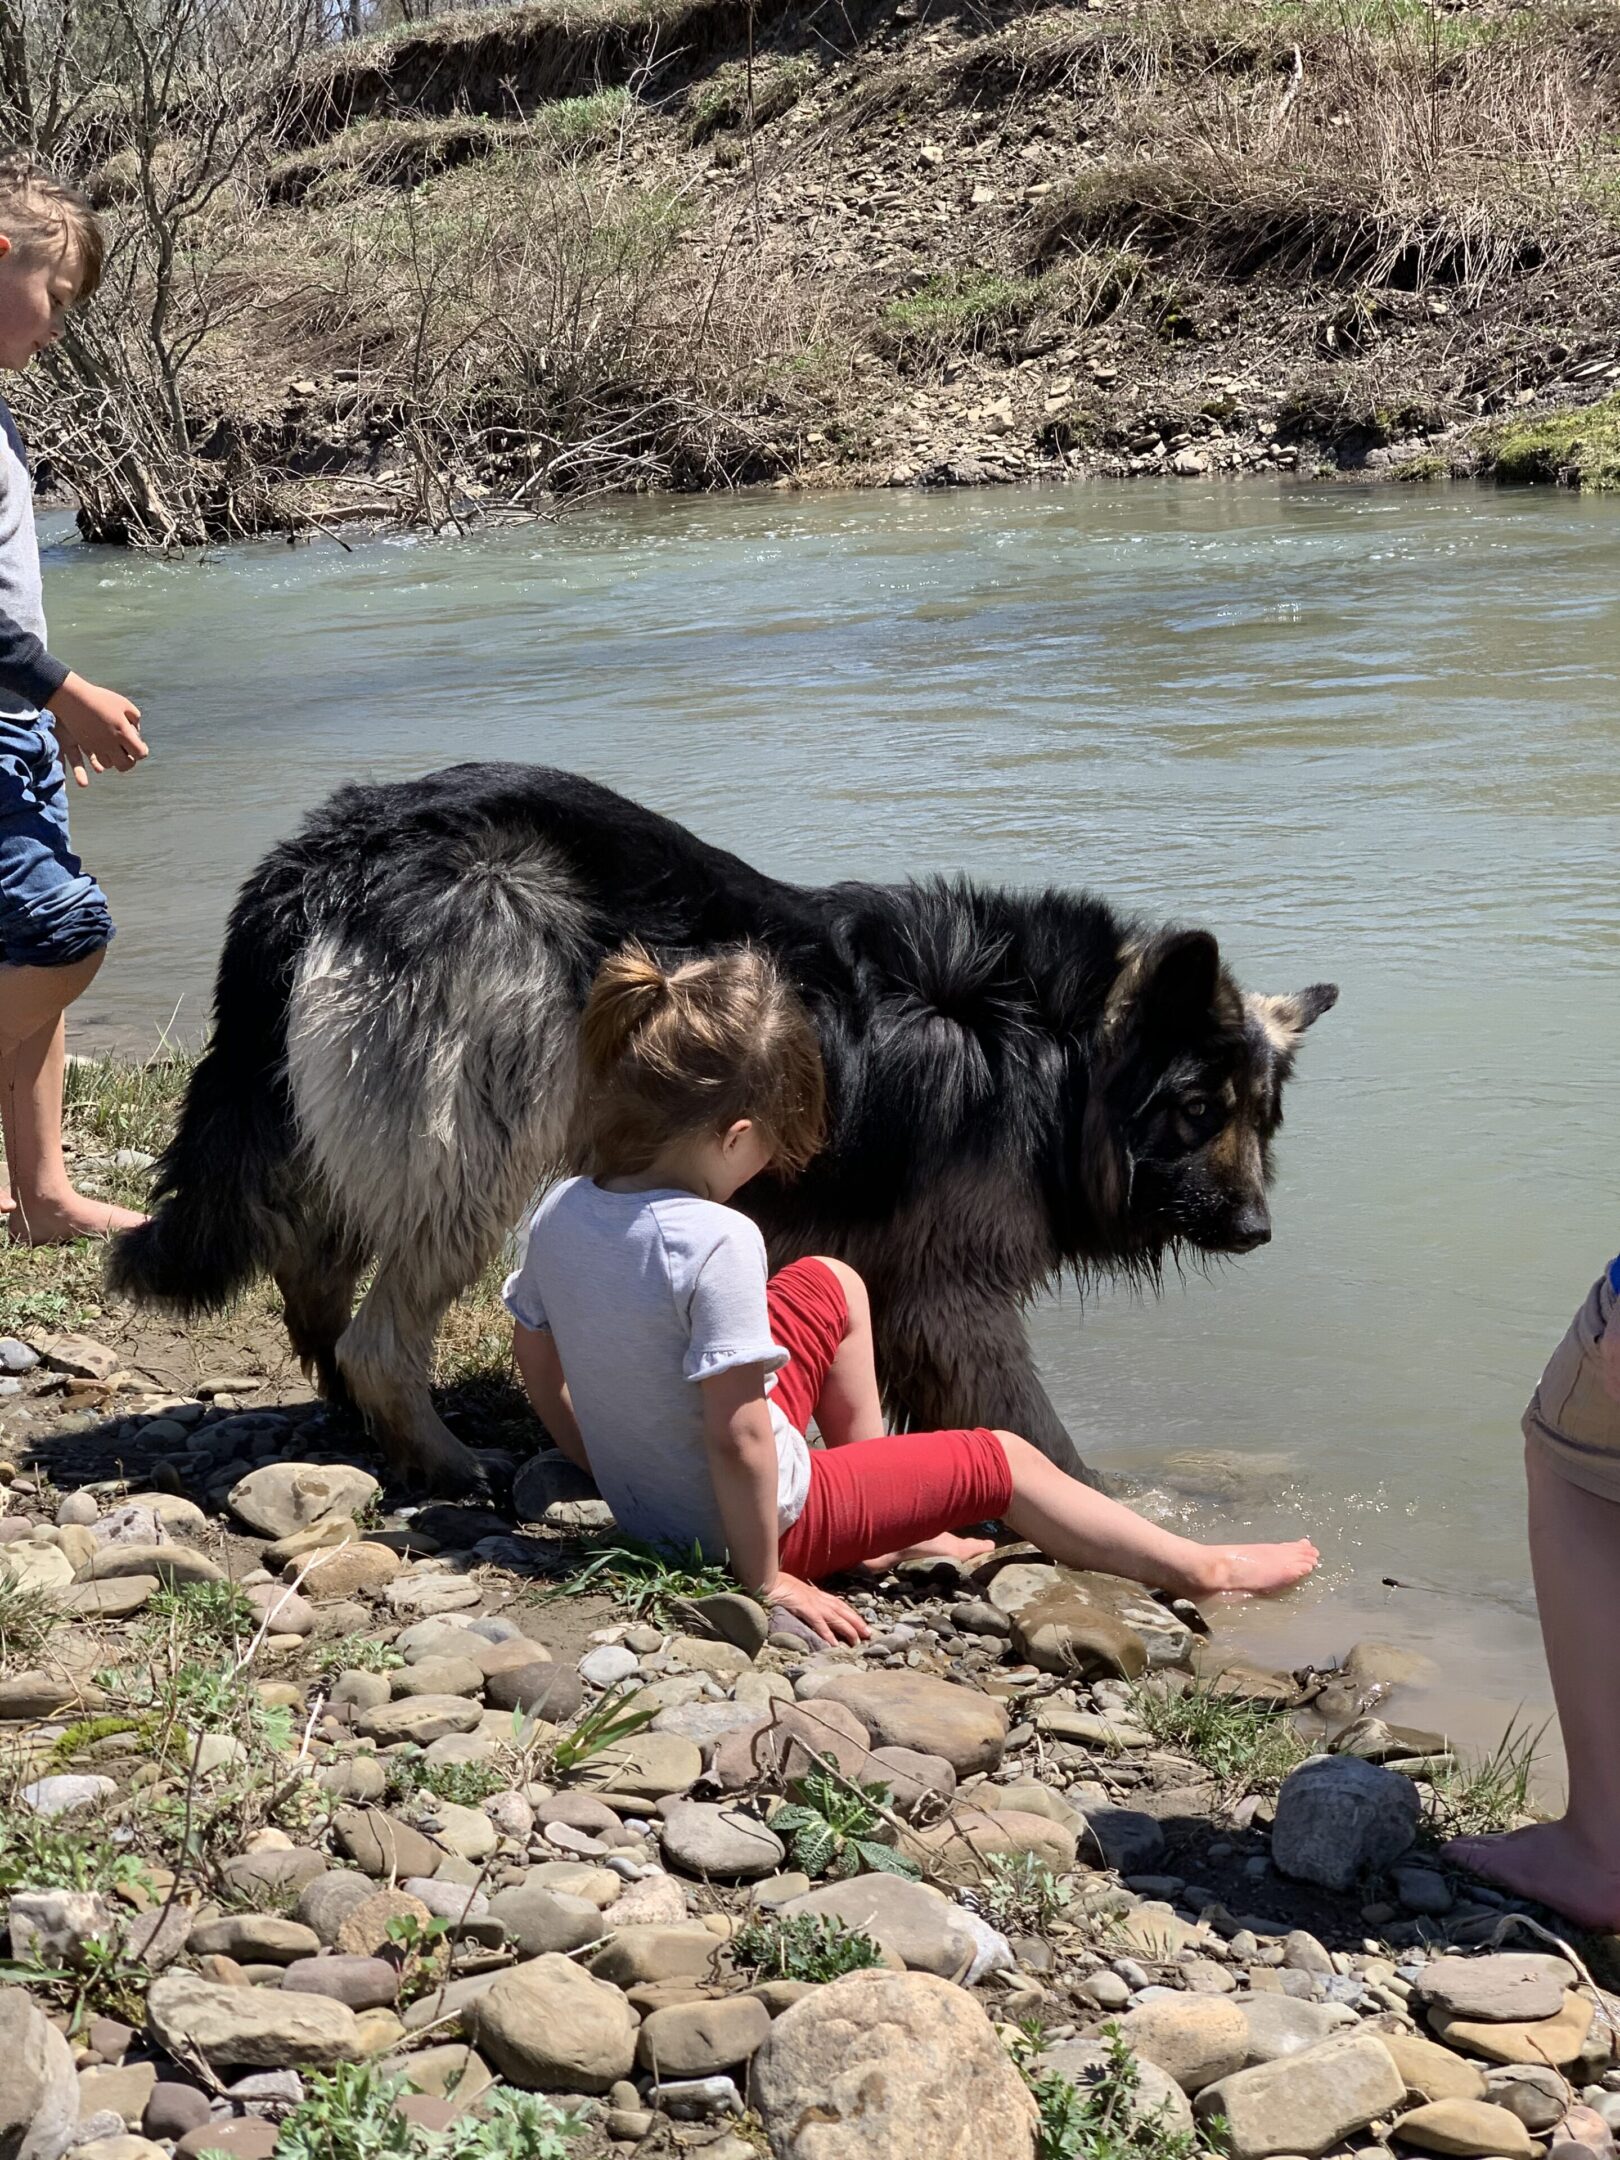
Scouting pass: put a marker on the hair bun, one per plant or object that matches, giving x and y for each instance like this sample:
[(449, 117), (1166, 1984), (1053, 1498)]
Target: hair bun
[(629, 990)]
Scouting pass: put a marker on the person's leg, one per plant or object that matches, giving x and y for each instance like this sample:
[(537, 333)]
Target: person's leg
[(55, 927), (1572, 1864), (848, 1406), (47, 1210), (1079, 1527)]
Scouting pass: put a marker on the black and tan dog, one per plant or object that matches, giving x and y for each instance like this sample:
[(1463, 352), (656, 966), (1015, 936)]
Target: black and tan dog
[(1021, 1085)]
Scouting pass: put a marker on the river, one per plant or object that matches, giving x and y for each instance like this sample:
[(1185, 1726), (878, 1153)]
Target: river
[(1365, 735)]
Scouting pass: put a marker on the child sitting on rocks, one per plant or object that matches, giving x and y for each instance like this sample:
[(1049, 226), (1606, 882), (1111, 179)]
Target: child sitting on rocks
[(664, 1362)]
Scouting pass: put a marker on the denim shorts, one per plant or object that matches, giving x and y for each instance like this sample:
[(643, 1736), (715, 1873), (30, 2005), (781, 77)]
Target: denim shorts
[(52, 911)]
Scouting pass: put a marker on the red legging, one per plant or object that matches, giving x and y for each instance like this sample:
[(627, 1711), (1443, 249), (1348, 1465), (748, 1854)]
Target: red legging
[(871, 1496)]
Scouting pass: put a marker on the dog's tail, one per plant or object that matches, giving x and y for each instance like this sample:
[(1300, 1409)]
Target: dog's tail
[(216, 1226)]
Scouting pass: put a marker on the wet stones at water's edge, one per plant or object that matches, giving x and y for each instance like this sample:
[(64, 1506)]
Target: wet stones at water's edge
[(472, 1905)]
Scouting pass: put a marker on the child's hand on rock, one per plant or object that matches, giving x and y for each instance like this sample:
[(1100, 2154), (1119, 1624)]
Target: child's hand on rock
[(832, 1619)]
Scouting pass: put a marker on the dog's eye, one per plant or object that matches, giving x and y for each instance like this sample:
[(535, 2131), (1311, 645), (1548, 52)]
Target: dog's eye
[(1195, 1107)]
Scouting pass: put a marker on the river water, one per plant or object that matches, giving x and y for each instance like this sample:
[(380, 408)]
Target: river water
[(1363, 735)]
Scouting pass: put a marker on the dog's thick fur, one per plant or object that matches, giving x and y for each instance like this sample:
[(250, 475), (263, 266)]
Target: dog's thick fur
[(1020, 1085)]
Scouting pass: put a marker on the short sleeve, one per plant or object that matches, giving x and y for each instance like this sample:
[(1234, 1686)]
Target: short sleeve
[(727, 1320), (520, 1293)]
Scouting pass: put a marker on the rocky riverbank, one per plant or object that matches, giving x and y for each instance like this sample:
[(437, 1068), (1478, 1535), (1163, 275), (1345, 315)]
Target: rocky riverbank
[(336, 1827), (508, 257)]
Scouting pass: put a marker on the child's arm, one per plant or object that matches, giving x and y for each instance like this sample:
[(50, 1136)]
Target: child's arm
[(535, 1350), (741, 1444)]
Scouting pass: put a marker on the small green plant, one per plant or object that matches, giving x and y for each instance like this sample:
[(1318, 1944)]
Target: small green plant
[(1020, 1893), (1239, 1743), (357, 1653), (510, 2125), (645, 1582), (205, 1613), (834, 1830), (348, 2114), (611, 1720), (1103, 2118), (36, 1854), (27, 1621), (573, 128), (98, 1982), (464, 1784), (1490, 1792), (1579, 448), (807, 1946), (956, 312)]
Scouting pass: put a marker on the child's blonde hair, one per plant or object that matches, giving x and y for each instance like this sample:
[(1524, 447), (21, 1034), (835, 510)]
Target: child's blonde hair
[(665, 1054), (42, 215)]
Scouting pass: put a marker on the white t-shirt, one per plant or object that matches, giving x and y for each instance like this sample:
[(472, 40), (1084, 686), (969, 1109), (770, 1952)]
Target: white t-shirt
[(646, 1294)]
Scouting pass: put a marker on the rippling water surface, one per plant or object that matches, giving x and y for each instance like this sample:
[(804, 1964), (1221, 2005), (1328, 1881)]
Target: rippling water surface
[(1366, 736)]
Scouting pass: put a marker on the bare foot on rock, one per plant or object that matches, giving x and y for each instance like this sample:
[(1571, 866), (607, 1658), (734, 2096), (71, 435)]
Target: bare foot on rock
[(59, 1222), (1552, 1863), (947, 1546), (1255, 1570)]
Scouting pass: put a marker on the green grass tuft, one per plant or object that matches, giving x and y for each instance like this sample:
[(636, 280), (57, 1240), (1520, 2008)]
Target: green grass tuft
[(1240, 1744)]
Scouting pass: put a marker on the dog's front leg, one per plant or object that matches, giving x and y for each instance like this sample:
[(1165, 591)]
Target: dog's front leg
[(954, 1359)]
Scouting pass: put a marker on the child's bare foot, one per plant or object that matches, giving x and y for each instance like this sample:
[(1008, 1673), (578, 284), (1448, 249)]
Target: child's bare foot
[(947, 1546), (1253, 1570), (59, 1222), (1553, 1864)]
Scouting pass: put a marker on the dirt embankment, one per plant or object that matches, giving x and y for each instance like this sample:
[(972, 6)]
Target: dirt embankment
[(523, 253)]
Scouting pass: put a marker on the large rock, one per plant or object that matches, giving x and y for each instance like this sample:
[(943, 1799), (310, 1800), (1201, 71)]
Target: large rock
[(1194, 2039), (545, 1480), (1279, 2025), (963, 1848), (723, 1842), (909, 1920), (1557, 2040), (57, 1927), (382, 1845), (338, 1571), (1466, 2127), (173, 1565), (890, 2066), (1337, 1816), (648, 1766), (284, 1497), (697, 2039), (1306, 2103), (419, 1719), (39, 2088), (1434, 2073), (913, 1710), (254, 1939), (538, 1921), (643, 1952), (262, 2028), (1520, 1987), (549, 2026), (781, 1744), (1061, 1632)]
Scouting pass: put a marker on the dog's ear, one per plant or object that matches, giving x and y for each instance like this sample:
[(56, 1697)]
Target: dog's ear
[(1283, 1020), (1176, 986)]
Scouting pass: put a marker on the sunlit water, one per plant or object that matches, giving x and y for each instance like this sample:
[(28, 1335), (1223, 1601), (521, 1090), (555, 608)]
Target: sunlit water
[(1365, 736)]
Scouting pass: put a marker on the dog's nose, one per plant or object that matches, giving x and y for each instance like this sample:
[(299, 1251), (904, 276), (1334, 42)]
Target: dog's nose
[(1250, 1228)]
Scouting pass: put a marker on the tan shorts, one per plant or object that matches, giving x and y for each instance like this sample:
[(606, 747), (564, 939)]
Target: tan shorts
[(1572, 1416)]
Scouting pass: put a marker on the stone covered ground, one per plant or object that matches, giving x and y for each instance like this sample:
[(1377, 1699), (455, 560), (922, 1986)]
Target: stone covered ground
[(337, 1827)]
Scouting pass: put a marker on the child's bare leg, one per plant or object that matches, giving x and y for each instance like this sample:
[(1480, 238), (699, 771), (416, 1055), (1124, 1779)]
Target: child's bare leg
[(849, 1406), (1085, 1529), (1573, 1864), (47, 1210)]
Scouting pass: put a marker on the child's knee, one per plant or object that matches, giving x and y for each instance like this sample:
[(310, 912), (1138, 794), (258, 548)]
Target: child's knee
[(854, 1289)]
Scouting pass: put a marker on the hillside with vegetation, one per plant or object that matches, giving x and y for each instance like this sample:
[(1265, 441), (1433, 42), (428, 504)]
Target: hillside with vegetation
[(516, 255)]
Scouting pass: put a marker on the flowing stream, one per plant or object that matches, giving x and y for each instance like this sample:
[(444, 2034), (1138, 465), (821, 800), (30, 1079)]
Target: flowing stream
[(1363, 735)]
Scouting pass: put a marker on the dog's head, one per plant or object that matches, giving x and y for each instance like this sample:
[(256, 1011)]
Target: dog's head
[(1185, 1097)]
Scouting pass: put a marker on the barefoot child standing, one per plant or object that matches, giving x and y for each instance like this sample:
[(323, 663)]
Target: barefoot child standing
[(664, 1362), (54, 922)]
